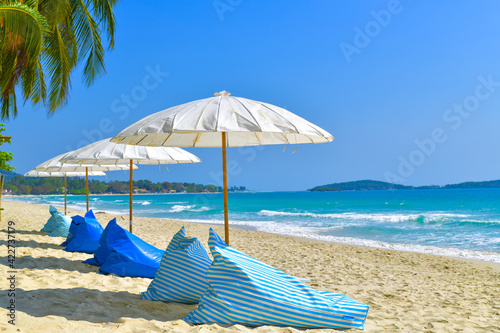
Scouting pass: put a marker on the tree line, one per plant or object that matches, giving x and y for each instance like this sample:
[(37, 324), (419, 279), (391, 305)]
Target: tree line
[(43, 186)]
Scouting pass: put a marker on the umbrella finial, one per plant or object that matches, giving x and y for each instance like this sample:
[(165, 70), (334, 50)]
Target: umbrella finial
[(222, 93)]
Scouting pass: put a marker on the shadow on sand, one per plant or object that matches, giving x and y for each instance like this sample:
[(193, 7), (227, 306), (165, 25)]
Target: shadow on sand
[(33, 244), (96, 306), (27, 232), (29, 262)]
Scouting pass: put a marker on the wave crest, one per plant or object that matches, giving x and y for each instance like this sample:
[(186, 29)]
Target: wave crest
[(420, 218)]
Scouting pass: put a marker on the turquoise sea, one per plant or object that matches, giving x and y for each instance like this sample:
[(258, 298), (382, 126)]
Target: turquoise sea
[(452, 222)]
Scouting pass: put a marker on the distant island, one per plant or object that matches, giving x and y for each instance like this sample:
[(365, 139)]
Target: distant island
[(369, 185)]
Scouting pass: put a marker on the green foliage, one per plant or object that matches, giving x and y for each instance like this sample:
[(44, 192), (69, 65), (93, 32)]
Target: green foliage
[(5, 156), (48, 38), (237, 189), (51, 185), (12, 188), (22, 33)]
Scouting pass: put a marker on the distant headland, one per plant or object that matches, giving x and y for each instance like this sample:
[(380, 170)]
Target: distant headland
[(369, 185)]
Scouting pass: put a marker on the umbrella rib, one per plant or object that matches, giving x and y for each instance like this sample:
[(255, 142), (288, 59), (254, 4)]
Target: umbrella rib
[(187, 107), (250, 113), (145, 135), (285, 137), (257, 136), (198, 135), (201, 113), (218, 113), (164, 141), (276, 113)]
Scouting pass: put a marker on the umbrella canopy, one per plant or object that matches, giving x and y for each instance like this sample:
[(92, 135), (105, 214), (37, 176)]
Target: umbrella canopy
[(201, 124), (57, 165), (222, 121), (105, 152), (34, 173)]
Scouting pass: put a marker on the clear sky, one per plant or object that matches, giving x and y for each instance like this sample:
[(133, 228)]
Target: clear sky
[(409, 89)]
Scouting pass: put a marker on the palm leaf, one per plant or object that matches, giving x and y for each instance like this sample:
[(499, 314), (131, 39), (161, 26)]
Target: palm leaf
[(57, 60), (33, 83), (88, 35), (22, 32), (9, 105), (51, 36), (22, 26), (103, 10)]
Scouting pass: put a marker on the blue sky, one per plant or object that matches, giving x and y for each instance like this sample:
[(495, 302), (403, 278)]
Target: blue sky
[(409, 89)]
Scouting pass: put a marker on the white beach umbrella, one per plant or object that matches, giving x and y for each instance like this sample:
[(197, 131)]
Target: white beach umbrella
[(56, 165), (222, 121), (105, 152), (34, 173)]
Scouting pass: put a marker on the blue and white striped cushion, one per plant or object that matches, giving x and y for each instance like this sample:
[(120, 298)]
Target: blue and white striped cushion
[(51, 222), (63, 222), (243, 290), (182, 273)]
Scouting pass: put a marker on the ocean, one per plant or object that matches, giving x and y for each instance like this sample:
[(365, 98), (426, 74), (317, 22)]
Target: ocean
[(451, 222)]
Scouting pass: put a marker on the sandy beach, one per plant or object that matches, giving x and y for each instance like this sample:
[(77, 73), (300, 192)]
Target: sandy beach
[(406, 292)]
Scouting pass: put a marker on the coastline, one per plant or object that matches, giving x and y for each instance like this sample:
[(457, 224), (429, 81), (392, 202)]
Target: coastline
[(4, 196), (278, 229), (406, 291)]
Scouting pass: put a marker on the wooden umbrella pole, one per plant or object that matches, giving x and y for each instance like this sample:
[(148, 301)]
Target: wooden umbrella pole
[(224, 172), (87, 185), (65, 190), (131, 191)]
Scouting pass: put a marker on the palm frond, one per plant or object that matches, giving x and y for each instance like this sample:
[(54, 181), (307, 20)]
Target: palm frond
[(89, 38), (56, 11), (33, 83), (103, 11), (31, 3), (9, 105), (57, 60), (22, 27), (50, 36), (22, 31), (9, 70)]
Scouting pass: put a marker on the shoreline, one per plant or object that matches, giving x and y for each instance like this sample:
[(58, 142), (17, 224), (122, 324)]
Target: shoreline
[(125, 194), (406, 291), (450, 252)]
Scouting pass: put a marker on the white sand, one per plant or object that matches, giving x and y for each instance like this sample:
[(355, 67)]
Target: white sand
[(406, 292)]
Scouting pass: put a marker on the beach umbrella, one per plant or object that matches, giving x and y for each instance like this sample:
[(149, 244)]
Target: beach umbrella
[(222, 121), (34, 173), (105, 152), (56, 165)]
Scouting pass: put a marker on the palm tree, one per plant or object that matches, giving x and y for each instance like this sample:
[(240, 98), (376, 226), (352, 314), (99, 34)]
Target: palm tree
[(40, 37)]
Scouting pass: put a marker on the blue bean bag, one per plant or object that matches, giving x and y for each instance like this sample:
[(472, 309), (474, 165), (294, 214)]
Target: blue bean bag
[(51, 222), (243, 290), (182, 273), (87, 235), (75, 222), (123, 253), (58, 224), (103, 251)]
